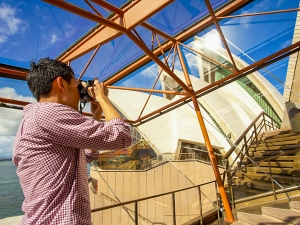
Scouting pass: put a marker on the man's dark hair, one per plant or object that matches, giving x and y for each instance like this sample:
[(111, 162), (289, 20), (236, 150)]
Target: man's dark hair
[(42, 74)]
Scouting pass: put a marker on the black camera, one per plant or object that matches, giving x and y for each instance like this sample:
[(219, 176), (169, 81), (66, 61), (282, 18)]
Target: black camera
[(84, 94)]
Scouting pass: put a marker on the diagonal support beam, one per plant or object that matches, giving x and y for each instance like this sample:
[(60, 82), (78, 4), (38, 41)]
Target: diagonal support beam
[(109, 31), (120, 28), (212, 14), (230, 8)]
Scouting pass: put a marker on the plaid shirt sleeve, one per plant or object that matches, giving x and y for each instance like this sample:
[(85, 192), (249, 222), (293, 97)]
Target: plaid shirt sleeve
[(90, 156), (65, 126)]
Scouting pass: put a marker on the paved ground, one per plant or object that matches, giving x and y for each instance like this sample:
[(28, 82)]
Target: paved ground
[(16, 220)]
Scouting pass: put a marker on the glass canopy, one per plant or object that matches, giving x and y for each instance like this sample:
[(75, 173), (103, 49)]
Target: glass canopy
[(251, 31)]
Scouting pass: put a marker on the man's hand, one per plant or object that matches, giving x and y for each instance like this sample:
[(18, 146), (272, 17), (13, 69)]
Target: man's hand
[(96, 111), (98, 91)]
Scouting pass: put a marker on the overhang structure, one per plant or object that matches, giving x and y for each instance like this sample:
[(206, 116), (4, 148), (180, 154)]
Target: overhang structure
[(127, 21)]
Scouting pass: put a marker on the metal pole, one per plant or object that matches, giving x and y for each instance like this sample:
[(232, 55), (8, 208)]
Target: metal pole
[(136, 220), (256, 137), (174, 210), (200, 204), (213, 162), (229, 181), (218, 205), (273, 187)]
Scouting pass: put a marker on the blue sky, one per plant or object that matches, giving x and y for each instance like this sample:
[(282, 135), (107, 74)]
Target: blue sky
[(32, 29)]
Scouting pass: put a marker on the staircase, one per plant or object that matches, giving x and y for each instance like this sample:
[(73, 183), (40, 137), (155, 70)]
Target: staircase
[(277, 153), (272, 215)]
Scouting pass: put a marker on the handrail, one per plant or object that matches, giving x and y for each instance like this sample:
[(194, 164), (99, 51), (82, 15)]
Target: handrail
[(128, 209), (267, 194), (243, 151), (269, 158), (252, 125), (149, 197)]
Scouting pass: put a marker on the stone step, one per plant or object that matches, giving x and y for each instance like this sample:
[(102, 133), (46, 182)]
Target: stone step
[(260, 185), (279, 158), (276, 143), (295, 165), (264, 177), (273, 153), (254, 219), (275, 133), (291, 136), (274, 148), (286, 215), (282, 171), (295, 205)]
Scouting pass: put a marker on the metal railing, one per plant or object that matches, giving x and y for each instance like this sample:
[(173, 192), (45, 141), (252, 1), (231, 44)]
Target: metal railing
[(128, 163), (263, 122), (201, 155), (136, 202), (250, 136)]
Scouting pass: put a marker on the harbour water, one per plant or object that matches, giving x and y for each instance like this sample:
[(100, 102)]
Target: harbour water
[(11, 195)]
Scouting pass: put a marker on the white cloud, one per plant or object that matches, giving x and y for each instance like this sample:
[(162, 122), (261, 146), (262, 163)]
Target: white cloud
[(69, 30), (53, 38), (192, 61), (10, 24), (10, 120), (6, 146), (150, 72), (8, 92)]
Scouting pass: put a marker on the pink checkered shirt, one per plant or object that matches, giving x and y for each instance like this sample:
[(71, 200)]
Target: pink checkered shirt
[(51, 160)]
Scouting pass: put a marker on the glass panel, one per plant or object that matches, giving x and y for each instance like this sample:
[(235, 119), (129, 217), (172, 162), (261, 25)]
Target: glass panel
[(254, 37), (34, 29), (180, 14)]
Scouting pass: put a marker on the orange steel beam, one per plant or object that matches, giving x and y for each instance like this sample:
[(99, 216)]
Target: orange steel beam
[(207, 141), (174, 56), (230, 8), (219, 83), (256, 64), (22, 103), (13, 73), (108, 6), (153, 86), (149, 95), (206, 89), (14, 102), (137, 14), (84, 13), (147, 90), (162, 51), (212, 14), (210, 59), (157, 31), (183, 66), (89, 62), (158, 62), (259, 14), (88, 15), (213, 161), (137, 34), (95, 10)]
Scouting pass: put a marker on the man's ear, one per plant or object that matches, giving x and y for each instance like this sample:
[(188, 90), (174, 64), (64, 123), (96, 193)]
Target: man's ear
[(59, 83)]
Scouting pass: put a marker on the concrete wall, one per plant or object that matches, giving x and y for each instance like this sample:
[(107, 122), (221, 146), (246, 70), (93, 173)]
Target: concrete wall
[(130, 185)]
